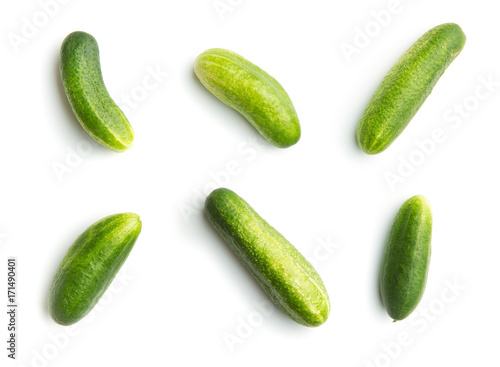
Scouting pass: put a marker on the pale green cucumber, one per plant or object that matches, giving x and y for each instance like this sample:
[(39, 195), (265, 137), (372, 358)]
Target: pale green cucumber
[(252, 92)]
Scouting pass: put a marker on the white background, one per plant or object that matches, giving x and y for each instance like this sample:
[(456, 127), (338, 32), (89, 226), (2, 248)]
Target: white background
[(182, 292)]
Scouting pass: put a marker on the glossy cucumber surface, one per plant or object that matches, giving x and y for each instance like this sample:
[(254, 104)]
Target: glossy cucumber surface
[(407, 85), (90, 265), (406, 258), (88, 97), (284, 274)]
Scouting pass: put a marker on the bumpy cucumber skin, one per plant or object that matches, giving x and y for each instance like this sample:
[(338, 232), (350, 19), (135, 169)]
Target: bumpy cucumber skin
[(407, 85), (252, 92), (406, 258), (88, 97), (90, 265), (285, 275)]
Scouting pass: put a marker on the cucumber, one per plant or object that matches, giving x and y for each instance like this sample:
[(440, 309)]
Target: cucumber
[(88, 97), (285, 275), (406, 86), (252, 92), (406, 258), (90, 265)]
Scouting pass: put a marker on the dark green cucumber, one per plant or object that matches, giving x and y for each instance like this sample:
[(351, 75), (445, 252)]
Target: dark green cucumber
[(407, 85), (285, 275), (252, 92), (406, 258), (90, 265), (88, 97)]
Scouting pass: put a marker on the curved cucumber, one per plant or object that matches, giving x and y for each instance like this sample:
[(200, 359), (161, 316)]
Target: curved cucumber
[(252, 92), (81, 76), (407, 85), (90, 265), (406, 258), (284, 274)]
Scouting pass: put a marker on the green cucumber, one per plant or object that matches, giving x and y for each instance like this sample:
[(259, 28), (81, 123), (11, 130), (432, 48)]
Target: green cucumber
[(90, 265), (252, 92), (285, 275), (88, 97), (406, 258), (406, 86)]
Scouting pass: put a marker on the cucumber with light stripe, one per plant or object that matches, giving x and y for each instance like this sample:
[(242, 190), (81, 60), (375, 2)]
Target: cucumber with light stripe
[(285, 275), (252, 92), (406, 258), (88, 97), (407, 85), (90, 265)]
